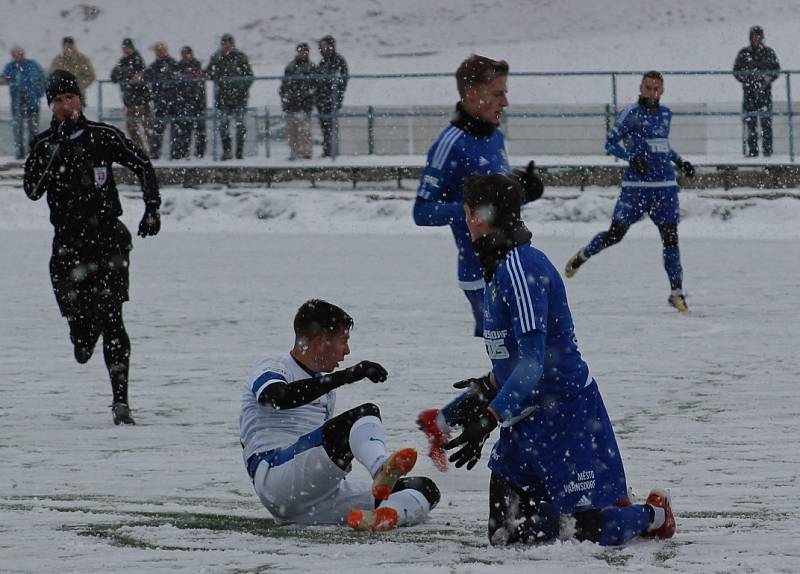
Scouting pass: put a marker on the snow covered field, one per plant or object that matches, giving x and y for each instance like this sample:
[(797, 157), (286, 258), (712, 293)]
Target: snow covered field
[(705, 404)]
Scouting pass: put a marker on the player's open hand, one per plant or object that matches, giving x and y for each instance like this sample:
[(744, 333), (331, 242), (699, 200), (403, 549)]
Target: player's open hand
[(481, 386), (471, 441)]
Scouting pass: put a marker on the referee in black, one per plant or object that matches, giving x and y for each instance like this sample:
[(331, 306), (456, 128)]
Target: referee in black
[(71, 163)]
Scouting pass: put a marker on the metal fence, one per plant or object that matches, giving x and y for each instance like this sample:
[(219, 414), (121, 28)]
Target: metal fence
[(542, 128)]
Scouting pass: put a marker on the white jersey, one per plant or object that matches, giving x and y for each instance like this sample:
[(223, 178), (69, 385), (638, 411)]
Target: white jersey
[(263, 427)]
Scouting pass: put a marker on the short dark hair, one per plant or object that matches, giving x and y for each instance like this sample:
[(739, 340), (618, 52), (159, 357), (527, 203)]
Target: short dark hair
[(653, 75), (477, 70), (500, 193), (317, 317), (68, 40)]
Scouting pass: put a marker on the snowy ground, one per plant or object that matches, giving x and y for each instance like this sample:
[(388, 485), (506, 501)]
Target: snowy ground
[(705, 404)]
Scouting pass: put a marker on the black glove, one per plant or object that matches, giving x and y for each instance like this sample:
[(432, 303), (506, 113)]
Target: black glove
[(531, 183), (472, 438), (481, 386), (151, 222), (65, 131), (365, 370), (686, 167), (639, 165)]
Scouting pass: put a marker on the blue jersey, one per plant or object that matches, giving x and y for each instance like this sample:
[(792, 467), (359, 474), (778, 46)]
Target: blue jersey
[(644, 134), (455, 155), (555, 430)]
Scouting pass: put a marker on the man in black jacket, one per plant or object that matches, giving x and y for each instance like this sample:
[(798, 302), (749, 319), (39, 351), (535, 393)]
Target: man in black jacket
[(756, 67), (297, 101), (71, 163), (129, 74), (230, 69), (330, 93), (190, 106)]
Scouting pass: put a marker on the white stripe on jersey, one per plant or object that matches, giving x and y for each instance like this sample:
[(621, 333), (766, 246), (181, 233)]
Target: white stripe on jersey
[(521, 292), (449, 137)]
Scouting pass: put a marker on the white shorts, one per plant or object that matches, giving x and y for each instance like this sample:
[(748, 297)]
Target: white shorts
[(310, 489)]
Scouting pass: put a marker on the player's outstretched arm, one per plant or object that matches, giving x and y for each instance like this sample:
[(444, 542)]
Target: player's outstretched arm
[(297, 393)]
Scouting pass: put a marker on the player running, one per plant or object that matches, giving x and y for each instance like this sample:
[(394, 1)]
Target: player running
[(298, 454), (557, 454), (648, 183)]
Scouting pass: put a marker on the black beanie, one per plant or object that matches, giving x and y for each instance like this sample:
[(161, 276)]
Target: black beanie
[(61, 82)]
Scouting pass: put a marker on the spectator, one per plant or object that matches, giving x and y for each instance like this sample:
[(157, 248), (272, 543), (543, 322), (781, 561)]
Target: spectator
[(129, 74), (231, 71), (297, 100), (191, 106), (77, 63), (26, 82), (756, 67), (162, 76), (330, 92)]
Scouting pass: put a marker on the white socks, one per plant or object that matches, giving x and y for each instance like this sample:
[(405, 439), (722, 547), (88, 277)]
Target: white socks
[(368, 443), (411, 506)]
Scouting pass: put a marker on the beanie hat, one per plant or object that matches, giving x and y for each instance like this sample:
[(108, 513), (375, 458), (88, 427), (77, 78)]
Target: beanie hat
[(756, 30), (61, 82), (127, 43), (227, 38), (328, 40)]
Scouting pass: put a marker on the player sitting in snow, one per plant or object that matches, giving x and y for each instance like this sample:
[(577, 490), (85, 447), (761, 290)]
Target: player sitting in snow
[(557, 455), (298, 454)]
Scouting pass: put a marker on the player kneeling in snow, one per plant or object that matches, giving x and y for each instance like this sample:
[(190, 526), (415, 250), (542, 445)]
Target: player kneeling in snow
[(298, 454), (557, 455)]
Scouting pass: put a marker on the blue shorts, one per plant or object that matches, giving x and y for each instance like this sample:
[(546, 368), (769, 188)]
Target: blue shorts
[(568, 447), (660, 203)]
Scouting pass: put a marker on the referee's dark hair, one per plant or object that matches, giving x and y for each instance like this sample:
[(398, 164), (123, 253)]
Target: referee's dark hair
[(498, 198), (317, 317)]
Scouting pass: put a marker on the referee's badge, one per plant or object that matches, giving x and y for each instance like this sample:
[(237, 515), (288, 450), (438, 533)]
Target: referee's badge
[(100, 176)]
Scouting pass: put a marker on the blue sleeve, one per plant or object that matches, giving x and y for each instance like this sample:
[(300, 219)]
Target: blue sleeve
[(522, 381), (438, 195), (615, 136), (433, 213)]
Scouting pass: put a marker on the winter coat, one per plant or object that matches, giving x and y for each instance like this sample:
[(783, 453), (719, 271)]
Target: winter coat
[(757, 88), (297, 86), (76, 176), (79, 65), (191, 99), (26, 82), (334, 68), (233, 75), (162, 76), (135, 92)]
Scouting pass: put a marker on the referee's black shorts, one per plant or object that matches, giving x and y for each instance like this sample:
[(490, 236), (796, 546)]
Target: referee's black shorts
[(86, 271)]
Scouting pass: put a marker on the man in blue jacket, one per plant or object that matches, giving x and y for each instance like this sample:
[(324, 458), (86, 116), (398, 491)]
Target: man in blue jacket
[(26, 81), (648, 183), (557, 454)]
